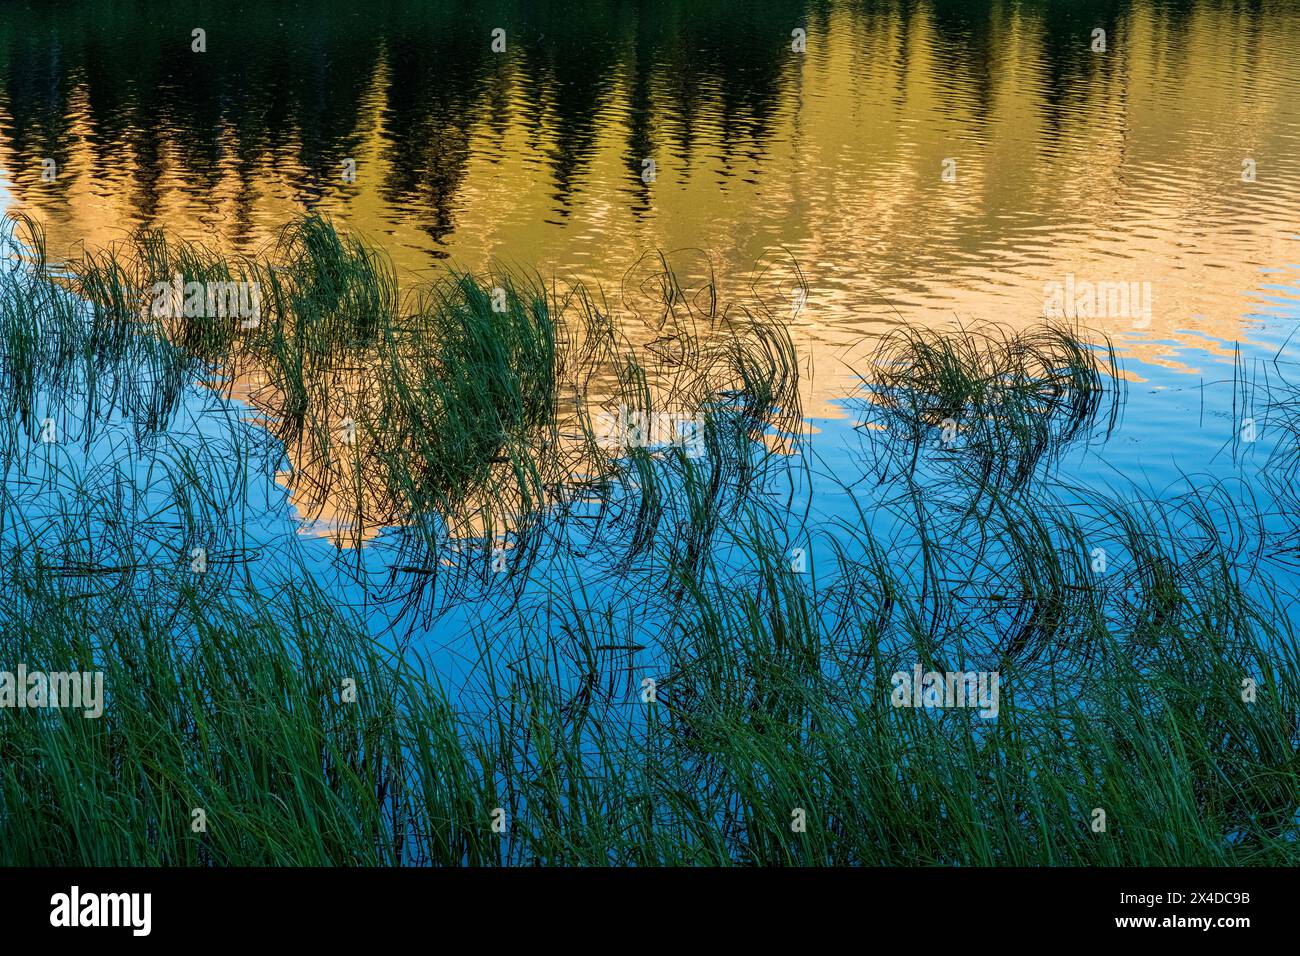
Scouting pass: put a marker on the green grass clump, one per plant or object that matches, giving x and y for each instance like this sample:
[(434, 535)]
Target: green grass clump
[(473, 374), (992, 401)]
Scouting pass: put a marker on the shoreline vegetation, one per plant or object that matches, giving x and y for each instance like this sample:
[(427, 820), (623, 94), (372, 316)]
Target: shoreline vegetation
[(667, 654)]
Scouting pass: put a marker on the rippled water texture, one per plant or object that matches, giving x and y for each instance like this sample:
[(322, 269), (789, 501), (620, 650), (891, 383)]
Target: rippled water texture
[(1118, 166)]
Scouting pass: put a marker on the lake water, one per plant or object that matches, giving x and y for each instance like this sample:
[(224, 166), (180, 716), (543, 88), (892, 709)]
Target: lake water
[(916, 162)]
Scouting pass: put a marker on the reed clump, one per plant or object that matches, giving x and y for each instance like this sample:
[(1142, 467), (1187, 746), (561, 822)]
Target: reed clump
[(992, 401)]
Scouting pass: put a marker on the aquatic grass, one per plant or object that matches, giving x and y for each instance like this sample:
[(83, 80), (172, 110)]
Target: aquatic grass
[(71, 335), (229, 721), (988, 399), (464, 378), (340, 290), (762, 709), (476, 427)]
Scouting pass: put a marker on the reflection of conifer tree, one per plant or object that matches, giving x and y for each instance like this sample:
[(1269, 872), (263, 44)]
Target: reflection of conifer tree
[(37, 90), (640, 123), (573, 60), (907, 13), (439, 85), (967, 51), (1069, 68), (747, 58)]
